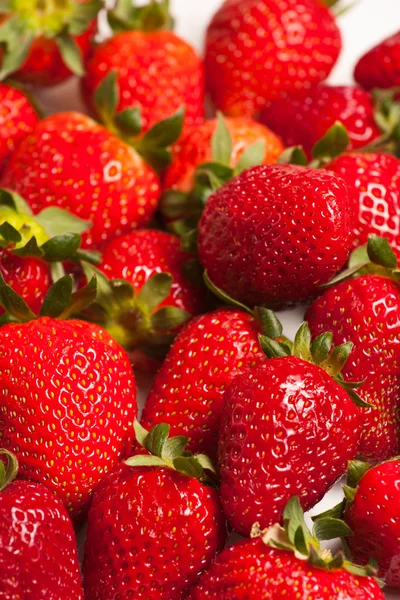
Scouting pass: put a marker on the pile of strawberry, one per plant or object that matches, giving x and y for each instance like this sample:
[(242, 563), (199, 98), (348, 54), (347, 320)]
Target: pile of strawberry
[(147, 237)]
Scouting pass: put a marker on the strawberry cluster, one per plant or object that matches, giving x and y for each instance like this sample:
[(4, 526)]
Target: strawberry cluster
[(144, 240)]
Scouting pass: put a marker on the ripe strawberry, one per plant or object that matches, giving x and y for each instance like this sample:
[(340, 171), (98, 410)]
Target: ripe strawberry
[(189, 389), (158, 72), (265, 568), (258, 51), (288, 426), (273, 234), (37, 542), (380, 67), (366, 312), (67, 394), (17, 119), (153, 525), (44, 42), (304, 117)]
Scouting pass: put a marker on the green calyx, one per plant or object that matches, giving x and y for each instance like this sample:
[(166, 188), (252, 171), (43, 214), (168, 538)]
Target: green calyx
[(185, 209), (60, 20), (128, 16), (154, 145), (8, 471), (296, 537), (170, 452)]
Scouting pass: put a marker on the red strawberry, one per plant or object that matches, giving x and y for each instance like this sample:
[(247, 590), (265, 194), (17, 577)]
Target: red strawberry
[(270, 236), (305, 117), (37, 542), (260, 50), (152, 529), (380, 67), (366, 312), (44, 42), (158, 72), (189, 388), (288, 427), (67, 394), (17, 119)]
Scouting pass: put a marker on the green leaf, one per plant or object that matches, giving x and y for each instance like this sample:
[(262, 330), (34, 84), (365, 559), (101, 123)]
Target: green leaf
[(293, 156), (61, 247), (335, 142), (104, 287), (57, 221), (271, 325), (328, 528), (142, 460), (356, 398), (90, 256), (302, 342), (155, 291), (356, 471), (129, 121), (164, 133), (349, 493), (189, 240), (169, 318), (81, 299), (273, 349), (224, 296), (174, 447), (206, 462), (293, 517), (337, 359), (14, 304), (358, 257), (9, 233), (57, 298), (321, 347), (335, 513), (14, 201), (30, 249), (9, 471), (16, 42), (221, 143), (140, 433), (380, 252), (212, 176), (156, 439), (344, 275), (106, 97), (70, 53), (84, 13), (253, 155), (57, 271), (189, 466)]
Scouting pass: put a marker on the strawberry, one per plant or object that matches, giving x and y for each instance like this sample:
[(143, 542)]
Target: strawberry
[(366, 312), (288, 426), (44, 42), (260, 50), (67, 394), (158, 72), (189, 389), (18, 117), (285, 562), (270, 224), (154, 525), (380, 66), (304, 117), (37, 542)]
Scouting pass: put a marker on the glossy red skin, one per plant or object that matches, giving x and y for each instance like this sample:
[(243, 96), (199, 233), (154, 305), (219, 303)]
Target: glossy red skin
[(258, 51), (29, 277), (249, 570), (157, 72), (366, 312), (287, 429), (373, 517), (380, 66), (17, 119), (71, 162), (140, 255), (373, 181), (302, 119), (194, 149), (273, 234), (188, 392), (38, 552), (150, 533), (68, 401)]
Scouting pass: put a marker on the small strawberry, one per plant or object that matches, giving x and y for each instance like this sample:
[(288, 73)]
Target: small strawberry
[(38, 552), (285, 563), (18, 117), (271, 235), (154, 525), (380, 67), (158, 72), (366, 312), (289, 426), (260, 50), (189, 388), (67, 394), (44, 42), (304, 117)]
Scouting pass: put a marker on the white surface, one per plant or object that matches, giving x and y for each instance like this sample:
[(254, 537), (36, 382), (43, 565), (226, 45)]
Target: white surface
[(364, 25)]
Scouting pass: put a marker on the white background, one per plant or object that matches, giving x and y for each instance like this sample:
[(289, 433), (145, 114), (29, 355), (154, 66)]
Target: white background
[(364, 25)]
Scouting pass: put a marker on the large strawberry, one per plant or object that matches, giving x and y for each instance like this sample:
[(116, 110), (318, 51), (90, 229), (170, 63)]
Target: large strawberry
[(380, 66), (271, 235), (158, 72), (67, 394), (288, 427), (38, 553), (366, 312), (258, 51), (189, 388), (285, 563), (17, 119), (154, 524), (44, 42), (304, 117)]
